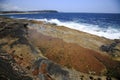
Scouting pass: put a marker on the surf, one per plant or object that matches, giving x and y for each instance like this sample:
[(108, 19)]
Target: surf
[(109, 32)]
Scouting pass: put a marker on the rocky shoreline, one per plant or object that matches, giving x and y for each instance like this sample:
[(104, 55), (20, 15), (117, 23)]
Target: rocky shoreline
[(35, 50)]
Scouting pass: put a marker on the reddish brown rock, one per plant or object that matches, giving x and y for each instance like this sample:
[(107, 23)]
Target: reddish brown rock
[(48, 54)]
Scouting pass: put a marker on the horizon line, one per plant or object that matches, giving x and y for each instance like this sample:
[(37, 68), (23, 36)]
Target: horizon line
[(64, 11)]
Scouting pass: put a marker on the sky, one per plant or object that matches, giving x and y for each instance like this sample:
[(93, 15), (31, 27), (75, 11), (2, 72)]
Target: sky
[(92, 6)]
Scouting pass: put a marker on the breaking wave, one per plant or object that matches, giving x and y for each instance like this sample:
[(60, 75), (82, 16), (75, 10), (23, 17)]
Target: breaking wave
[(109, 32)]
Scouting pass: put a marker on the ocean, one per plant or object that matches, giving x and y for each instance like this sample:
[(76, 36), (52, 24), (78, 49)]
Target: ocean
[(100, 24)]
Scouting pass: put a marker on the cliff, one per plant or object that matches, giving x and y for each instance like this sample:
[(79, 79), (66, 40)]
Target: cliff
[(35, 50)]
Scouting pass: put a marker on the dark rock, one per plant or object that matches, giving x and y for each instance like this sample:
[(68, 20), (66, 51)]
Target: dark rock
[(108, 78), (111, 48), (91, 78), (56, 69), (117, 40), (9, 70), (16, 29), (99, 79), (51, 68)]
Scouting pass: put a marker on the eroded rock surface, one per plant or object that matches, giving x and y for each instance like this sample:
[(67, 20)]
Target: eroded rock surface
[(20, 59), (31, 50)]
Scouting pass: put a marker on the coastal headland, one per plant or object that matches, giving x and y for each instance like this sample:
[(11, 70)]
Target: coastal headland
[(36, 50), (27, 12)]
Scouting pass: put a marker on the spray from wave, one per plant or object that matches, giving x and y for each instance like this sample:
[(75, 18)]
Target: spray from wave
[(110, 33)]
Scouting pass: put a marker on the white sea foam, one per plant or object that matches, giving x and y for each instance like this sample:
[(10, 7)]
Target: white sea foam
[(109, 32)]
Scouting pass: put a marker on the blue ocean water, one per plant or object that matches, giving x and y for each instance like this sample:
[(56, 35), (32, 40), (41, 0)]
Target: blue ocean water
[(105, 25)]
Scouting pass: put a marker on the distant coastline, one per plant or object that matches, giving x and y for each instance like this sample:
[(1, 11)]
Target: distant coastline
[(27, 12)]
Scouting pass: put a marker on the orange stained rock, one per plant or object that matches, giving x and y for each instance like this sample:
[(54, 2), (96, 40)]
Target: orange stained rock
[(35, 72), (42, 68)]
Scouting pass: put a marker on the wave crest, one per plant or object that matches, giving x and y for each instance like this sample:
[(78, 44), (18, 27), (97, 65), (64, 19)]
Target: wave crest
[(109, 32)]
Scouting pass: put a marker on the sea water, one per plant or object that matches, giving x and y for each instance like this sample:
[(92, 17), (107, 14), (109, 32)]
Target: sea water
[(100, 24)]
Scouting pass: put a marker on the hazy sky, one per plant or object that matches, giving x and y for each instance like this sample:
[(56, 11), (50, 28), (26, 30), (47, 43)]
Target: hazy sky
[(97, 6)]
